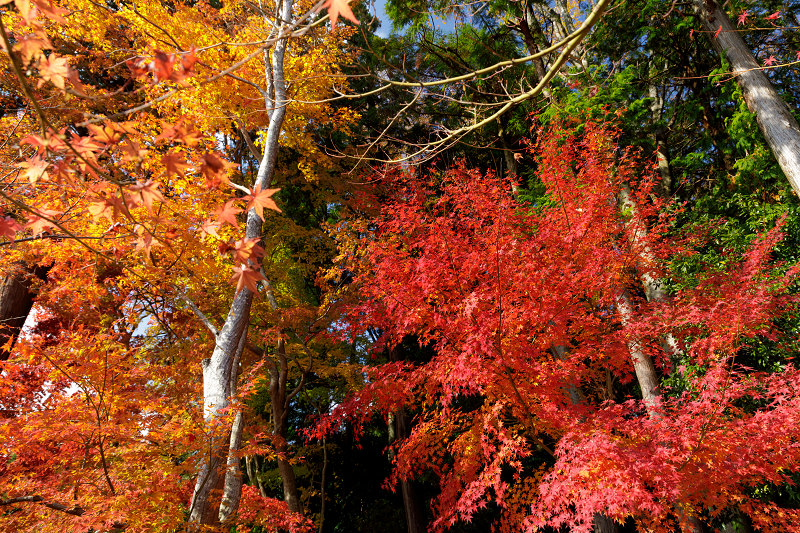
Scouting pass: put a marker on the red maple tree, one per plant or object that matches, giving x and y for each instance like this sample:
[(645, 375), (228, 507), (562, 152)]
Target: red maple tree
[(523, 404)]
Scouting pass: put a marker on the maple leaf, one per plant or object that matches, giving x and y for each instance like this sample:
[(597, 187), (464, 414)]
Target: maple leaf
[(54, 69), (210, 228), (742, 19), (145, 242), (245, 276), (35, 169), (770, 61), (41, 222), (228, 213), (188, 61), (774, 16), (259, 199), (51, 10), (214, 167), (9, 227), (103, 208), (132, 152), (174, 163), (149, 192), (247, 249), (30, 47), (26, 10), (716, 33), (180, 133), (106, 134), (162, 65), (339, 7)]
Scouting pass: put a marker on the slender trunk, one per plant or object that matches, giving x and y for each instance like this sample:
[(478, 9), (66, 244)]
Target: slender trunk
[(600, 522), (399, 429), (322, 484), (415, 518), (779, 127), (643, 365), (232, 490), (204, 508), (279, 375)]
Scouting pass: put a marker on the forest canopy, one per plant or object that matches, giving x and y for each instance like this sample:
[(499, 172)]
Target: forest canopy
[(422, 265)]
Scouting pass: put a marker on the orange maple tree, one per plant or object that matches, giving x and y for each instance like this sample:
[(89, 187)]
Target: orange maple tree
[(139, 145)]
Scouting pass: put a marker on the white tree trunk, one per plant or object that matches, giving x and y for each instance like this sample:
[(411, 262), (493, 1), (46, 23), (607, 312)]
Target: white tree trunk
[(776, 121), (218, 369)]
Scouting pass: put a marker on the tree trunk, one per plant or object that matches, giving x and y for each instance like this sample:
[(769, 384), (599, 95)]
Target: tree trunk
[(204, 509), (279, 375), (399, 429), (16, 301), (779, 127), (232, 489)]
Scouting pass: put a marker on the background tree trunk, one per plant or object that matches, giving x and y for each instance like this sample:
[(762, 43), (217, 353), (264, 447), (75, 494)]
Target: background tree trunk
[(16, 301), (774, 118)]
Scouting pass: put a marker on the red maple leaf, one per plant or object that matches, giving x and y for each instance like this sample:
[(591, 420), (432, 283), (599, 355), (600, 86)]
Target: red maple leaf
[(770, 61), (742, 19), (259, 199), (774, 16), (339, 7), (9, 227), (245, 276), (228, 213)]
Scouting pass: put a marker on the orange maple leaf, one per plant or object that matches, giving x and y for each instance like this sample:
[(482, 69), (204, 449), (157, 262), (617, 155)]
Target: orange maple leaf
[(339, 7), (228, 214), (30, 47), (145, 241), (105, 134), (54, 69), (209, 227), (214, 167), (259, 199), (162, 65), (245, 276), (34, 169), (149, 192), (247, 249), (51, 11), (175, 163), (41, 222), (27, 10)]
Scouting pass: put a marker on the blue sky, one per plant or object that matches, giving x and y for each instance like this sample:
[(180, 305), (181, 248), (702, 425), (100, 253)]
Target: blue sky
[(378, 8)]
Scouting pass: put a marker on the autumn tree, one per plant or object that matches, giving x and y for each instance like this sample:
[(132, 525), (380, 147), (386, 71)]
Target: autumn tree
[(493, 286), (116, 153)]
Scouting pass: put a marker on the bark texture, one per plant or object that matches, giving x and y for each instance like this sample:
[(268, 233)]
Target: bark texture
[(774, 118), (16, 301)]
